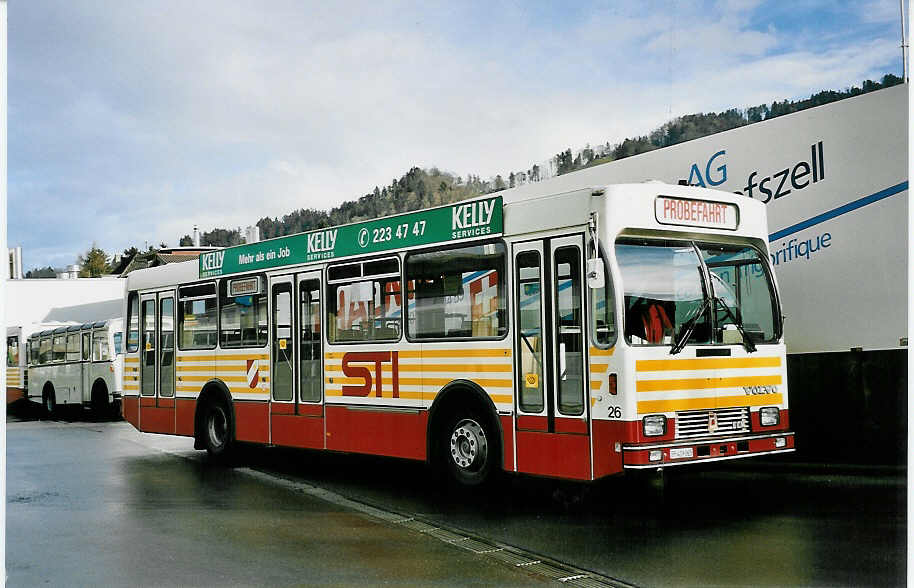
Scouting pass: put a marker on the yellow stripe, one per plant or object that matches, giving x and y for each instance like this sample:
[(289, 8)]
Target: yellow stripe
[(225, 357), (705, 383), (494, 383), (711, 363), (452, 353), (242, 356), (597, 352), (457, 368), (649, 406), (496, 398), (596, 384), (241, 369), (132, 359), (199, 358), (208, 378), (599, 368)]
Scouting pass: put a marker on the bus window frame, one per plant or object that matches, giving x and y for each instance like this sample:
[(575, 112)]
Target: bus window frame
[(503, 280), (133, 303), (104, 336), (179, 309), (223, 283), (763, 260), (328, 284), (608, 284)]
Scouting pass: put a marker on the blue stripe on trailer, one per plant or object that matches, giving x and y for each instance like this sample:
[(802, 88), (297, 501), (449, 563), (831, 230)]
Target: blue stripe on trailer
[(835, 212)]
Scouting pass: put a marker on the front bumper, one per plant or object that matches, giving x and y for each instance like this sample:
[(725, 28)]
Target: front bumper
[(703, 449)]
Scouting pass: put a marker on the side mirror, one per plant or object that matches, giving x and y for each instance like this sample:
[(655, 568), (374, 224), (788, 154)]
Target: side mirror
[(595, 277)]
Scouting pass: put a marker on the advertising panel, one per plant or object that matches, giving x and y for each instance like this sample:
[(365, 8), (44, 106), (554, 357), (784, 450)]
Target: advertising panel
[(459, 222)]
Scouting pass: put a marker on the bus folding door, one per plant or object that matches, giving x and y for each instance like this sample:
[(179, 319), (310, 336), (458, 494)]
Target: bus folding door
[(552, 436), (157, 363), (296, 371)]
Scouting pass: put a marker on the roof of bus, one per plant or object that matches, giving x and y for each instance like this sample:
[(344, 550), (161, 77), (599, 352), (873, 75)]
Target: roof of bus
[(37, 330), (626, 205)]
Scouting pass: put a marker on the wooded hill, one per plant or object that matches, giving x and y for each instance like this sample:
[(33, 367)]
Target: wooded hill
[(420, 188)]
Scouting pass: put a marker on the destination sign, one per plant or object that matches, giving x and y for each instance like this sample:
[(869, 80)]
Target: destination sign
[(696, 213), (458, 222)]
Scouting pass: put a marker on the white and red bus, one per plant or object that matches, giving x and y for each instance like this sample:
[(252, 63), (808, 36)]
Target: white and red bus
[(571, 335)]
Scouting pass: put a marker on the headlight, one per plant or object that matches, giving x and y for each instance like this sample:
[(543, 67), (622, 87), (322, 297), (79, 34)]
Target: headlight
[(654, 425), (769, 416)]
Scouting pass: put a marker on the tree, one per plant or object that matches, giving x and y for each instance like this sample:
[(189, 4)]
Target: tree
[(186, 241), (93, 263), (45, 272)]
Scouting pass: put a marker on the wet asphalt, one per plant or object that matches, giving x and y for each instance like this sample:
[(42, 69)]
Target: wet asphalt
[(97, 503)]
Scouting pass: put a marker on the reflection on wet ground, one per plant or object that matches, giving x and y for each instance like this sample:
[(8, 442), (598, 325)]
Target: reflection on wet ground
[(169, 513)]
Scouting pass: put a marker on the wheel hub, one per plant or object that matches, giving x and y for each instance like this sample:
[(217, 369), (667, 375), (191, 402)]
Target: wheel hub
[(217, 427), (468, 444)]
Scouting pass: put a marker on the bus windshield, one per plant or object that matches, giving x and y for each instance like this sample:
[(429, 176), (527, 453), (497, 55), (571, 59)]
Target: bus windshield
[(665, 290)]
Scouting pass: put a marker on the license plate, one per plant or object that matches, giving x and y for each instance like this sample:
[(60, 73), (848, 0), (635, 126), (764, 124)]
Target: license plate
[(681, 452)]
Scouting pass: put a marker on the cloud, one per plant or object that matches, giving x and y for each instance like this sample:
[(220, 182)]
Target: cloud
[(138, 120)]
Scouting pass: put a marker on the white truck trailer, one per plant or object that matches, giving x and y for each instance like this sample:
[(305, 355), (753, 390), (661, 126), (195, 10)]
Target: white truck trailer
[(835, 179)]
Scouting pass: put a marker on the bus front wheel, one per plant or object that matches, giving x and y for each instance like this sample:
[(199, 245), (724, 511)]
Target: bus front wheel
[(217, 429), (468, 448)]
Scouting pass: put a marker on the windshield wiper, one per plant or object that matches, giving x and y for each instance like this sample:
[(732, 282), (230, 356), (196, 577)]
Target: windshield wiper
[(689, 327), (747, 342)]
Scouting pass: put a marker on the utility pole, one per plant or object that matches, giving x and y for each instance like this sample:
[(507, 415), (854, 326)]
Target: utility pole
[(904, 45)]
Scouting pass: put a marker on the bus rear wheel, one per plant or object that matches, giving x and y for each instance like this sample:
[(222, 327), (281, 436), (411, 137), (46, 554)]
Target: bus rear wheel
[(100, 406), (217, 429), (468, 449)]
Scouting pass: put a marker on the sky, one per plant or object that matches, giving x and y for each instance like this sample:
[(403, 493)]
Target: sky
[(130, 122)]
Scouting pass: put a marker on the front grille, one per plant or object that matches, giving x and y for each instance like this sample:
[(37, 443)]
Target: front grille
[(696, 423)]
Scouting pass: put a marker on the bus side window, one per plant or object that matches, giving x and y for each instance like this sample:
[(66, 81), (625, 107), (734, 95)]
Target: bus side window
[(457, 292), (133, 323), (86, 345), (602, 310), (362, 301), (12, 351), (100, 346)]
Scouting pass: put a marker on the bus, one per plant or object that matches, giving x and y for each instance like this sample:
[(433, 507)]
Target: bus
[(77, 364), (574, 335)]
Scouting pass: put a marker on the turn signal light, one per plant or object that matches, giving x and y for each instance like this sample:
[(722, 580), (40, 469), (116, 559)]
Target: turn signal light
[(612, 384)]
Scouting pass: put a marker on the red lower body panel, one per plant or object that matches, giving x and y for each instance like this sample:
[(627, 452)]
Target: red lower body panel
[(252, 421), (507, 443), (297, 425), (379, 432), (130, 406), (606, 460), (553, 454), (185, 409), (157, 419), (14, 394), (709, 449)]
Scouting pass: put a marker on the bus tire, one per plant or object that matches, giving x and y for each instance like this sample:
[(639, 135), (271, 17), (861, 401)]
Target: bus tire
[(469, 447), (100, 406), (48, 399), (217, 428)]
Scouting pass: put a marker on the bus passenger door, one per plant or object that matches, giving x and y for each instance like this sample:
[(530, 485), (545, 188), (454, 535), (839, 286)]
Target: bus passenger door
[(296, 399), (552, 411), (86, 365), (157, 356)]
